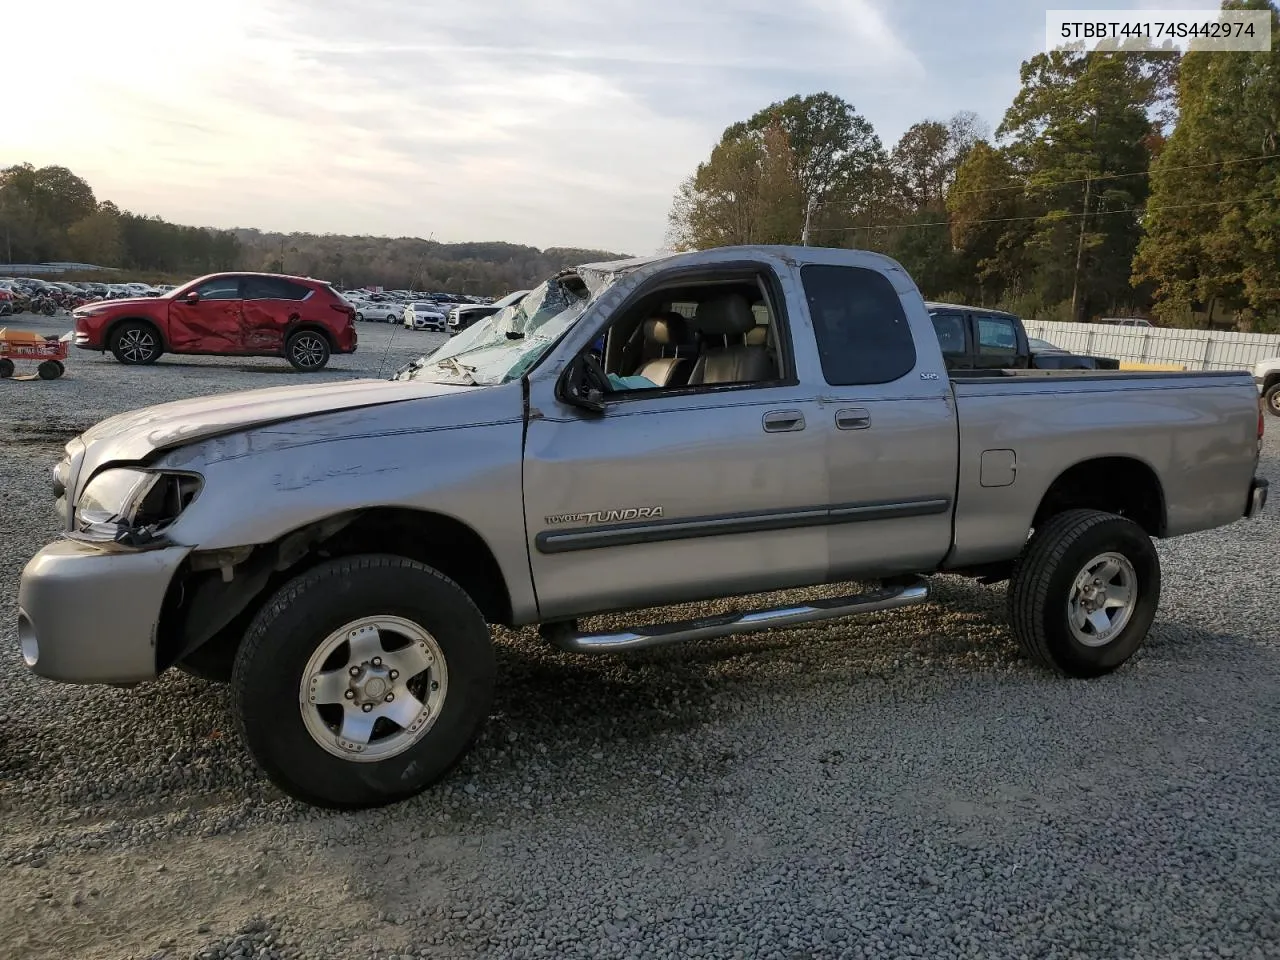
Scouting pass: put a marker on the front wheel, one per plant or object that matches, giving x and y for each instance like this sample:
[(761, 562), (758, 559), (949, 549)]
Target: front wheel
[(1272, 399), (363, 681), (136, 343), (307, 350), (1084, 592)]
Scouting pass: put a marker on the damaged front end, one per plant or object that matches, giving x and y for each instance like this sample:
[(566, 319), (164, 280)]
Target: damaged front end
[(131, 506)]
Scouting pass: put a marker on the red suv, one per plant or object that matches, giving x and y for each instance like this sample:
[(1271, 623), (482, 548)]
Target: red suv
[(225, 314)]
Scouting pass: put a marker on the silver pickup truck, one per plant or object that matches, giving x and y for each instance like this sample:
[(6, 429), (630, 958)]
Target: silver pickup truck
[(630, 434)]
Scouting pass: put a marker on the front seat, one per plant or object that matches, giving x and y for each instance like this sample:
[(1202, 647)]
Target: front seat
[(663, 332), (746, 361)]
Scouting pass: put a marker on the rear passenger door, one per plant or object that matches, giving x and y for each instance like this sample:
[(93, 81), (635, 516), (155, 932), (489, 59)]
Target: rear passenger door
[(889, 421), (271, 306)]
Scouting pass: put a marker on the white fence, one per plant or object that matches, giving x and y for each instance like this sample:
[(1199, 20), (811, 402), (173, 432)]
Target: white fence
[(1196, 349)]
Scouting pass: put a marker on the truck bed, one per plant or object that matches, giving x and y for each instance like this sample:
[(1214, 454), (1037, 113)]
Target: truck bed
[(1197, 432)]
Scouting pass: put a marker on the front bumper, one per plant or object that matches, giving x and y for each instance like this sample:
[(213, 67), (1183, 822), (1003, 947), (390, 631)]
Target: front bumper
[(88, 615), (1257, 497)]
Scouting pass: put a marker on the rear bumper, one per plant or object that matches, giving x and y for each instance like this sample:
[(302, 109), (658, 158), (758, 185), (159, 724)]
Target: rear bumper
[(1257, 497), (87, 615)]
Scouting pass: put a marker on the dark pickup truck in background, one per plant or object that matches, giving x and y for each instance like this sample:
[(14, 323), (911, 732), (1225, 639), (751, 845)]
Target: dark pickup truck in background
[(975, 338)]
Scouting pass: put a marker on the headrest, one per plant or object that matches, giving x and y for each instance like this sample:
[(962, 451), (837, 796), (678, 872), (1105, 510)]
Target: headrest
[(670, 328), (757, 336), (724, 315)]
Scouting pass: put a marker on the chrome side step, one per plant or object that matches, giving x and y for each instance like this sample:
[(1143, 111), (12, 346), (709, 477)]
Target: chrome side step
[(567, 637)]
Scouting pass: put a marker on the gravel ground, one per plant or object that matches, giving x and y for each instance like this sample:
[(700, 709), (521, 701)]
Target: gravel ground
[(898, 785)]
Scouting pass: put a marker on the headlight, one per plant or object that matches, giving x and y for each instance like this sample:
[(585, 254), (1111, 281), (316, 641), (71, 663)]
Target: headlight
[(131, 506)]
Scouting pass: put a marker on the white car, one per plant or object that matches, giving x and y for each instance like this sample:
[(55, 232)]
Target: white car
[(424, 315), (376, 312), (1266, 374)]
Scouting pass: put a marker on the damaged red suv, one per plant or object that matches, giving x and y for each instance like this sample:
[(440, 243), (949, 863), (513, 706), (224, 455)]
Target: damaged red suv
[(226, 315)]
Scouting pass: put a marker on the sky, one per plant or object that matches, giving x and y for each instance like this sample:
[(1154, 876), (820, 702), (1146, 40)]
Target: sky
[(545, 122)]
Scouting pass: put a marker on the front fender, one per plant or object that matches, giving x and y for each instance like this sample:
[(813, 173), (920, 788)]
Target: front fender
[(262, 484)]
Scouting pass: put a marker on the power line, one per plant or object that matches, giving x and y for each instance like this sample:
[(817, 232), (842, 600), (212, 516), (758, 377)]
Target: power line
[(1061, 216), (1028, 185)]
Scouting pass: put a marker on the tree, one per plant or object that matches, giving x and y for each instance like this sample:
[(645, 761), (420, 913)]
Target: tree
[(97, 238), (986, 204), (746, 192), (925, 159), (836, 148), (1080, 132), (1213, 223)]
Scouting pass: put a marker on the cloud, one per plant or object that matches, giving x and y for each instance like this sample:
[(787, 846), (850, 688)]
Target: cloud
[(557, 123)]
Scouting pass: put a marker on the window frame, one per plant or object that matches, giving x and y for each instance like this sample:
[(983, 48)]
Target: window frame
[(965, 333), (995, 361), (736, 273)]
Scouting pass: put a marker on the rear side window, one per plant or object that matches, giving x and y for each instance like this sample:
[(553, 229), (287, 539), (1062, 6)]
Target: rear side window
[(862, 332), (950, 330), (273, 288), (997, 337)]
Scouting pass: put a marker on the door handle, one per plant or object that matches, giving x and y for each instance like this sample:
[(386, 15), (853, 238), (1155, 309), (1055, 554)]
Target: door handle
[(853, 418), (783, 421)]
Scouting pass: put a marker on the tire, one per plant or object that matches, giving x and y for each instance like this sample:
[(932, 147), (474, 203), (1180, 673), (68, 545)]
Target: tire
[(297, 743), (49, 370), (1271, 397), (135, 343), (307, 351), (1046, 583), (6, 368)]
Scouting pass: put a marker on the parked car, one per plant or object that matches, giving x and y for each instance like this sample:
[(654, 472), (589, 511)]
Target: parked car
[(762, 418), (384, 312), (224, 314), (975, 338), (1266, 374), (424, 315), (1125, 321)]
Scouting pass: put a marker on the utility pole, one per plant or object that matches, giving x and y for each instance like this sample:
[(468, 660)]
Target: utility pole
[(1084, 217), (1075, 282), (808, 220)]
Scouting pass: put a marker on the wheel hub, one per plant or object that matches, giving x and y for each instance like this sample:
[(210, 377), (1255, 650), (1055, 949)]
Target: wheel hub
[(1102, 599)]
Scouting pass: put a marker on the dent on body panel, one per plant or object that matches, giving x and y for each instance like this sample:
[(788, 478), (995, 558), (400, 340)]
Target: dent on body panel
[(262, 324)]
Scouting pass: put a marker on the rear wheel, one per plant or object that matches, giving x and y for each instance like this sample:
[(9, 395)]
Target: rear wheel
[(136, 344), (49, 370), (1084, 592), (363, 681), (307, 350)]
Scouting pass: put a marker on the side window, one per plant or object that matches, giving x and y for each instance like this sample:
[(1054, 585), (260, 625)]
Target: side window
[(220, 288), (950, 330), (862, 332), (997, 337), (273, 288)]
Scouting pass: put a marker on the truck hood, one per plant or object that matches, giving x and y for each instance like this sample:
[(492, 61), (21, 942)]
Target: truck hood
[(136, 435)]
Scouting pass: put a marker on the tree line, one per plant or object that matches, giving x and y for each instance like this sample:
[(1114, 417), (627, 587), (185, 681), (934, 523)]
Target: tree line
[(1117, 183), (49, 214)]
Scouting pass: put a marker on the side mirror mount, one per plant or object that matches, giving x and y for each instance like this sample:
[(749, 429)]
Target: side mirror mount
[(192, 296), (584, 385)]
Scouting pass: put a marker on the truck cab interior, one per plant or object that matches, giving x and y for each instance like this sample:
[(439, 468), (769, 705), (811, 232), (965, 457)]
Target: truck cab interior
[(697, 336)]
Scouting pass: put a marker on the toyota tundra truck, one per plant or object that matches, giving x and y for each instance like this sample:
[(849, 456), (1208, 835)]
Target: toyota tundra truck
[(630, 434)]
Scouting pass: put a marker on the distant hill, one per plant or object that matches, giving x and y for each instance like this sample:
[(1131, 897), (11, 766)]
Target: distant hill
[(409, 262)]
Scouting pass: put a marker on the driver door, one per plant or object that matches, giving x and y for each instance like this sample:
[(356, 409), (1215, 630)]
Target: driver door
[(212, 324)]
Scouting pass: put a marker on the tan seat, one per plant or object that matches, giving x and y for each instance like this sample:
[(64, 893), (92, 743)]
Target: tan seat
[(747, 360), (666, 332)]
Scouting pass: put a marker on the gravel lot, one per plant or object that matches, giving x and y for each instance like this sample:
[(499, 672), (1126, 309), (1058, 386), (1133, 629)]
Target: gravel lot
[(898, 785)]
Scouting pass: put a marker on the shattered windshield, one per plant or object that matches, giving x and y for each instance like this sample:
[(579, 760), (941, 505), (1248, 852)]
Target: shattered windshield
[(501, 347)]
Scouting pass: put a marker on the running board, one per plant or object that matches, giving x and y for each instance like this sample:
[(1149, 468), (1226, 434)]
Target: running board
[(565, 635)]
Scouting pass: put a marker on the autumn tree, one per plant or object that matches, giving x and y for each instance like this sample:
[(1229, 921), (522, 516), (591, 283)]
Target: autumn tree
[(1213, 222), (748, 191)]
